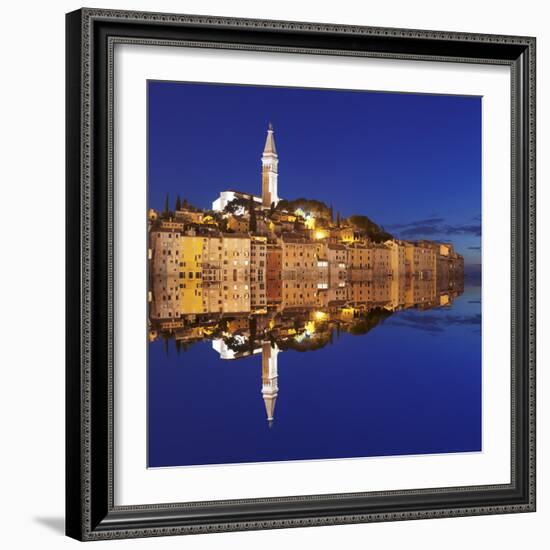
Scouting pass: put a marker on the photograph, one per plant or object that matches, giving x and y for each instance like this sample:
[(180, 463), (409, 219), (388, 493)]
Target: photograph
[(313, 274), (300, 273)]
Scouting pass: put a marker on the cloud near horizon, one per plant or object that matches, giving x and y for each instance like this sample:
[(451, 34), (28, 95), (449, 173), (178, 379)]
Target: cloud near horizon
[(427, 221), (434, 322), (433, 227)]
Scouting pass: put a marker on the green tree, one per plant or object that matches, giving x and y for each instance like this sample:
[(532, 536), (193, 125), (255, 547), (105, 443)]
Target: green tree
[(372, 230), (235, 205), (167, 205), (283, 206), (178, 203)]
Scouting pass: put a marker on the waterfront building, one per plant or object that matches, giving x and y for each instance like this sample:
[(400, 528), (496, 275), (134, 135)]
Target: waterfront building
[(380, 260), (235, 273), (258, 272), (358, 292), (422, 293), (299, 293), (163, 253), (337, 264), (380, 291), (190, 263), (299, 257), (421, 259), (212, 274), (274, 270), (398, 291), (321, 250), (358, 262), (163, 274), (398, 258)]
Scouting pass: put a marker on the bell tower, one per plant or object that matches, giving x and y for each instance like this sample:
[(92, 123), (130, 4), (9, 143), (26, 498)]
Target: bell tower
[(270, 162), (270, 387)]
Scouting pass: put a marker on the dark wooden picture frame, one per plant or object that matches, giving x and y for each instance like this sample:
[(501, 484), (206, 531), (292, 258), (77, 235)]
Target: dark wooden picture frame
[(90, 510)]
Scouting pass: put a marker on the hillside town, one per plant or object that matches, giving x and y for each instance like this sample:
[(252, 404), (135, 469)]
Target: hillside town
[(261, 274), (253, 253)]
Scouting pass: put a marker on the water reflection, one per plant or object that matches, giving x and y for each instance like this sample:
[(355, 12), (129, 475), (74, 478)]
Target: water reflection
[(307, 317)]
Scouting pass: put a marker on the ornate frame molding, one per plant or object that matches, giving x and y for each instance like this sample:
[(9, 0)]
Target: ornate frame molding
[(91, 36)]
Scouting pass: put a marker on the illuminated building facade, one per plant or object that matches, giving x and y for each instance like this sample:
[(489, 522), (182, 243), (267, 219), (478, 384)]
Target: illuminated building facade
[(256, 276)]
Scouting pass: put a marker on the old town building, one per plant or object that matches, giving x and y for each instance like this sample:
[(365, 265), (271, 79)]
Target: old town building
[(258, 272)]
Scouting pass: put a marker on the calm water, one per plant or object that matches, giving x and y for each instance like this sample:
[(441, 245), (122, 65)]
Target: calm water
[(410, 385)]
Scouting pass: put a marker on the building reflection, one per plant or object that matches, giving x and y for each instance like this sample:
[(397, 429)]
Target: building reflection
[(262, 275), (305, 316)]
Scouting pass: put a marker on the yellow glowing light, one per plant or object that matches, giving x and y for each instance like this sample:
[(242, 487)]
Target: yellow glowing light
[(310, 222), (321, 316), (347, 312), (320, 234)]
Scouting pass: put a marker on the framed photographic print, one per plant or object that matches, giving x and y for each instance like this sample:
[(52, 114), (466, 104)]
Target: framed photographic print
[(300, 274)]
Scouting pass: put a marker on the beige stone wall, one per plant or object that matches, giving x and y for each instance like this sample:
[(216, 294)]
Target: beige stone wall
[(236, 274), (258, 271)]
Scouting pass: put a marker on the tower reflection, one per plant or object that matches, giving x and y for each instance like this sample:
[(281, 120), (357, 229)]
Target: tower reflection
[(356, 308)]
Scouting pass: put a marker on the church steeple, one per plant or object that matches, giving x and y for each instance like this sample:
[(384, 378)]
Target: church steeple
[(270, 141), (270, 162), (270, 387)]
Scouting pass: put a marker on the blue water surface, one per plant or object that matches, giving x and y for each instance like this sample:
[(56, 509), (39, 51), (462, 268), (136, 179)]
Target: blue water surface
[(412, 385)]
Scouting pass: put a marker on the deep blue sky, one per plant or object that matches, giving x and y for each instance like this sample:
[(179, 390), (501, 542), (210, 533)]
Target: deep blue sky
[(410, 162)]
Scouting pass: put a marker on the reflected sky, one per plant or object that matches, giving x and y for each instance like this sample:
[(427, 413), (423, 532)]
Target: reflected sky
[(410, 385)]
